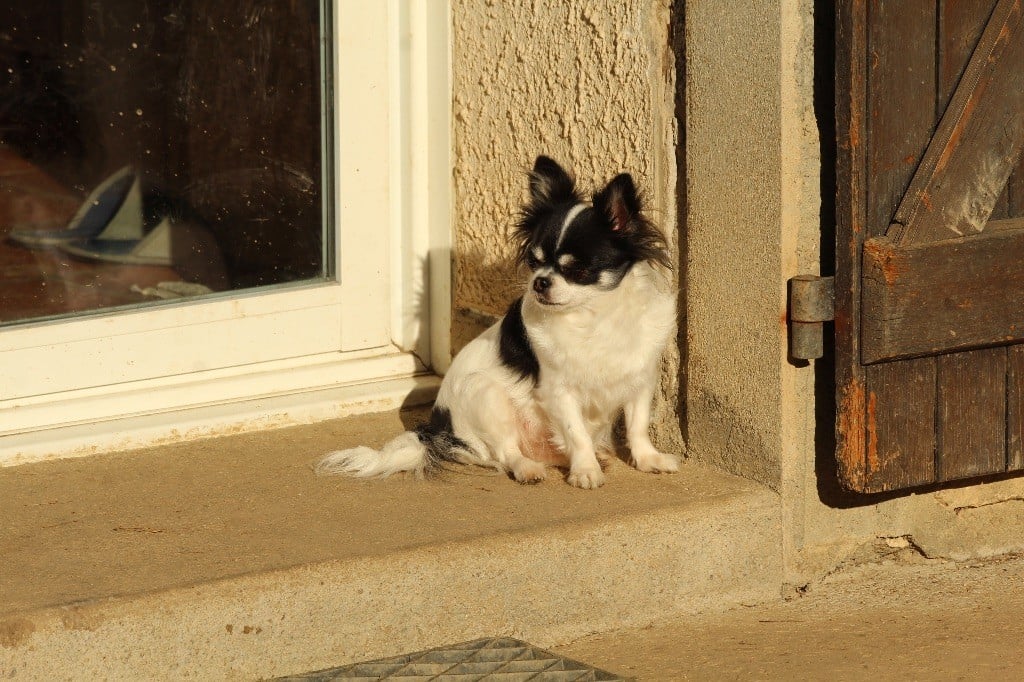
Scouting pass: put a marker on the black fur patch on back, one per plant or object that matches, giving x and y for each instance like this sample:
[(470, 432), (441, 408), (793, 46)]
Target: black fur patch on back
[(438, 436), (514, 349)]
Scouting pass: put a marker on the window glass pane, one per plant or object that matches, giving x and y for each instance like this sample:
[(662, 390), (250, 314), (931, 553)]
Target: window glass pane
[(152, 149)]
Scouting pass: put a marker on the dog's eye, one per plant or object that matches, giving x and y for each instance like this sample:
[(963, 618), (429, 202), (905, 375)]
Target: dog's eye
[(578, 275), (531, 261)]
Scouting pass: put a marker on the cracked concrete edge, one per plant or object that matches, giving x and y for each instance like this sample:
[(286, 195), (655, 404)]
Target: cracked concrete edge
[(856, 555), (967, 523), (629, 571), (959, 526), (966, 533)]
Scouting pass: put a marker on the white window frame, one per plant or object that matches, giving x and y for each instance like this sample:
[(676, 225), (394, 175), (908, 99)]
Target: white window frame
[(371, 339)]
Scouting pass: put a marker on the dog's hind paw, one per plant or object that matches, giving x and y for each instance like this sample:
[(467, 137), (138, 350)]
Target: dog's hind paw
[(655, 462), (528, 471), (588, 479)]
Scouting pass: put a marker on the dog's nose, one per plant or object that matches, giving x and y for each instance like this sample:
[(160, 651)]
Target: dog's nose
[(541, 284)]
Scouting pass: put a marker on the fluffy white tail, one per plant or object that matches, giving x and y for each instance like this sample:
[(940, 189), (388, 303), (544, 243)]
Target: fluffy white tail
[(404, 453)]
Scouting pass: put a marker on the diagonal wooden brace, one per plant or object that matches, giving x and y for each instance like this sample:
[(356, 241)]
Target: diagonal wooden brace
[(977, 143)]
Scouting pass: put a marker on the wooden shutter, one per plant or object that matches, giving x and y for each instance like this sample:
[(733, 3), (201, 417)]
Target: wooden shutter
[(930, 241)]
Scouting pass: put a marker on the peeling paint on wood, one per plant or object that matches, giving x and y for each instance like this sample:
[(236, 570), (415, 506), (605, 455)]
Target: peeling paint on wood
[(850, 436)]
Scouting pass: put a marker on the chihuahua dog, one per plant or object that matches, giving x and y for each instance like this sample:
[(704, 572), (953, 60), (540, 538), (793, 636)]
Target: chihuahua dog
[(546, 383)]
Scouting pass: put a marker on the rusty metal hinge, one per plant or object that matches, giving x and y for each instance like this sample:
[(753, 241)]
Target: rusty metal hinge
[(811, 302)]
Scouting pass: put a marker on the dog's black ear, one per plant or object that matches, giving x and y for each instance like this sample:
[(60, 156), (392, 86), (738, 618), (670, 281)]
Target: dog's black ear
[(549, 183), (619, 202)]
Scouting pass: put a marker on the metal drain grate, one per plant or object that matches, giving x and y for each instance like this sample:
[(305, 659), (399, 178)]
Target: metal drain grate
[(487, 660)]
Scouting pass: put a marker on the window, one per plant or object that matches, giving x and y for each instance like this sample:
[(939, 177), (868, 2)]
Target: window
[(217, 213)]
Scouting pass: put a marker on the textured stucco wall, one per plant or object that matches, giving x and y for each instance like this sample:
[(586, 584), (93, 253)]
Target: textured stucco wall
[(588, 82)]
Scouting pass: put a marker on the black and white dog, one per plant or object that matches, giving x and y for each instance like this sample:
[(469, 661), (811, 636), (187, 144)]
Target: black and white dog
[(545, 384)]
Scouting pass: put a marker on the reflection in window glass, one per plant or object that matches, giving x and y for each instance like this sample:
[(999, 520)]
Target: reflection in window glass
[(154, 149)]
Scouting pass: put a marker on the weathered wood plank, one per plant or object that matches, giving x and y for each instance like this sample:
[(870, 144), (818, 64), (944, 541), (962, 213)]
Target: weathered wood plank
[(851, 139), (972, 414), (977, 143), (971, 386), (896, 401), (1015, 192), (1015, 408), (902, 84), (954, 295), (961, 23), (1001, 209), (900, 425)]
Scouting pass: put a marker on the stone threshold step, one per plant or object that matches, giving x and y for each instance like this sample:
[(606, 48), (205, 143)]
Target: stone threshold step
[(228, 559)]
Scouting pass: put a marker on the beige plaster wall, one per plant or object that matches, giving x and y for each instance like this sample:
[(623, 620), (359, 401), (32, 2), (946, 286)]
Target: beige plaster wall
[(588, 82), (734, 310)]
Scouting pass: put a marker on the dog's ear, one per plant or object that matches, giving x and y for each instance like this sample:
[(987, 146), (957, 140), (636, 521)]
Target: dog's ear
[(549, 183), (619, 202)]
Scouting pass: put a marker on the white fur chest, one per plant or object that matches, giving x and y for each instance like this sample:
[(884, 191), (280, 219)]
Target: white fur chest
[(604, 351)]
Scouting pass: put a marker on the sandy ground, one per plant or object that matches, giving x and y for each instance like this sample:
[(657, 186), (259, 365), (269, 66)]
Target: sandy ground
[(904, 618)]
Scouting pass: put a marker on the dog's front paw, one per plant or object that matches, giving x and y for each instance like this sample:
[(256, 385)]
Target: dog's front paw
[(655, 462), (588, 478)]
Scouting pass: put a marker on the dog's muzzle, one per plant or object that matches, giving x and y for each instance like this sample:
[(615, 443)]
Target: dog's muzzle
[(542, 289)]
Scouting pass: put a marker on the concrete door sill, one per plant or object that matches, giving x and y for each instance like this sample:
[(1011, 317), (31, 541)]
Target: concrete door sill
[(228, 559)]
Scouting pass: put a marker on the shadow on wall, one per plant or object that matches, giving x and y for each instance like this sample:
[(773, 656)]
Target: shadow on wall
[(466, 323), (677, 38), (829, 490)]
